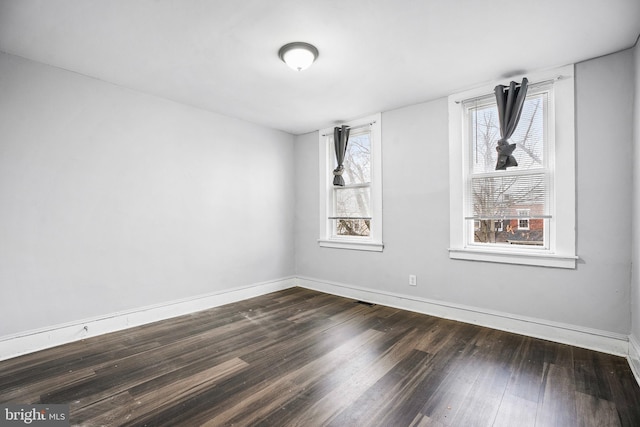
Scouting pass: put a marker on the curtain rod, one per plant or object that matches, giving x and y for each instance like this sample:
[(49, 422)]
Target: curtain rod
[(354, 127), (540, 83)]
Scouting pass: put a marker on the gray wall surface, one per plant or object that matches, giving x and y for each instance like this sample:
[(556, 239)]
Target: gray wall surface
[(416, 215), (635, 283), (113, 200)]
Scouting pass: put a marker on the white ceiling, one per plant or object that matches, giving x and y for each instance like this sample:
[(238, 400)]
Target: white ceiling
[(375, 55)]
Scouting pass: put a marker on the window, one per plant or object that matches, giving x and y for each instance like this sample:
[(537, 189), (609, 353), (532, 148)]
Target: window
[(525, 214), (510, 195), (523, 224), (351, 215)]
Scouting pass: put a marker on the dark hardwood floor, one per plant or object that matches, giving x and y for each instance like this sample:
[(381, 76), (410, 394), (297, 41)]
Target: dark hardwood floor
[(303, 358)]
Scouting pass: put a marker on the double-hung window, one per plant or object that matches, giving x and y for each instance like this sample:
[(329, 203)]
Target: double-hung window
[(518, 196), (525, 214), (351, 215)]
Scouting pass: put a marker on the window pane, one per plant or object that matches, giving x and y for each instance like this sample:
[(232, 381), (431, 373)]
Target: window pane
[(530, 134), (506, 208), (510, 197), (521, 232), (357, 159), (484, 128), (352, 227), (352, 202)]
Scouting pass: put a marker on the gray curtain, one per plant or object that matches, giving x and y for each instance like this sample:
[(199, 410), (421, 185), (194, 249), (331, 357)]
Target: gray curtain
[(510, 102), (340, 141)]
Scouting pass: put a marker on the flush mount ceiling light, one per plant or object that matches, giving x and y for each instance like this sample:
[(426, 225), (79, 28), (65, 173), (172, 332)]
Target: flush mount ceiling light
[(298, 55)]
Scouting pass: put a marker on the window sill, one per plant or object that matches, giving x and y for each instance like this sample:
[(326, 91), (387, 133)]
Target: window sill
[(351, 244), (512, 257)]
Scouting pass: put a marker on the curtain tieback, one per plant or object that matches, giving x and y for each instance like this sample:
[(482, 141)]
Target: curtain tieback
[(338, 171), (505, 155), (505, 148)]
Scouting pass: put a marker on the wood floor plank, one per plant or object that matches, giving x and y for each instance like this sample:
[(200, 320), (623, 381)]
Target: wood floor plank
[(139, 405), (557, 405), (596, 412), (588, 367), (375, 407), (279, 393), (33, 391), (495, 365), (521, 396), (113, 410), (303, 358), (516, 411), (623, 389), (453, 376), (354, 380)]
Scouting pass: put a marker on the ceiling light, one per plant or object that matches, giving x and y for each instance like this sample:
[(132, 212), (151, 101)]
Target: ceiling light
[(298, 55)]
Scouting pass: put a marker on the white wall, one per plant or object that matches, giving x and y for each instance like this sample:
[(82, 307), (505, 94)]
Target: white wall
[(635, 283), (112, 200), (416, 216)]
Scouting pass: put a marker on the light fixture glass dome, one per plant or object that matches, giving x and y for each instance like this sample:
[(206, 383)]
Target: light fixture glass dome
[(298, 55)]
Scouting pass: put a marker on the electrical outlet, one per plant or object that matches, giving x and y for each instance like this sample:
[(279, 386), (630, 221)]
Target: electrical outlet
[(413, 280)]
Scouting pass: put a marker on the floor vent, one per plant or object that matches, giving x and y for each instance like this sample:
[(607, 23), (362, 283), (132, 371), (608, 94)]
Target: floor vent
[(369, 304)]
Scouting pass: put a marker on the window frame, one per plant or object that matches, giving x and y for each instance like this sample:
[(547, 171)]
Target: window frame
[(561, 250), (327, 239)]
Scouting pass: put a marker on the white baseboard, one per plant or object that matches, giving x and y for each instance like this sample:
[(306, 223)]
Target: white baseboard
[(40, 339), (634, 357), (608, 342), (593, 339)]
